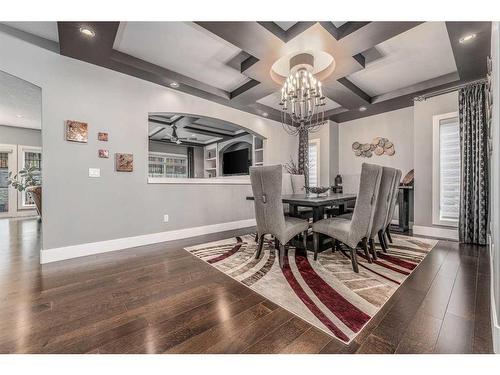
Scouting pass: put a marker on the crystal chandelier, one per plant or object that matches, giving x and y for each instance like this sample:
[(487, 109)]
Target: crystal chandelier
[(302, 101)]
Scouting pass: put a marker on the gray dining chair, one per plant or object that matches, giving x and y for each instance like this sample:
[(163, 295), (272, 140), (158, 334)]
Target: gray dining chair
[(392, 208), (358, 229), (298, 186), (267, 190), (385, 193)]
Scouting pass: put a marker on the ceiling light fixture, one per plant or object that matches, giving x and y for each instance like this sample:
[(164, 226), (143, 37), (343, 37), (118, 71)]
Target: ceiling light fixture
[(302, 100), (19, 116), (87, 32), (265, 114), (175, 138), (362, 109), (467, 38), (174, 85)]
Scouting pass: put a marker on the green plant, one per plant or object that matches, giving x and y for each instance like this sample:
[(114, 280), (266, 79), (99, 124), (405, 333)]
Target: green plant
[(25, 178)]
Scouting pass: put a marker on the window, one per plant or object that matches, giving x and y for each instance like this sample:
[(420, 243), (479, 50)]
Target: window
[(29, 157), (314, 162), (167, 165), (446, 170)]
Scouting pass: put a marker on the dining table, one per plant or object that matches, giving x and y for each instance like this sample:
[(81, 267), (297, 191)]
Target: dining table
[(318, 203)]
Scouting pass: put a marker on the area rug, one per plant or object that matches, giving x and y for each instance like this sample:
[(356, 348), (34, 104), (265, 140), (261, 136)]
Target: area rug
[(326, 293)]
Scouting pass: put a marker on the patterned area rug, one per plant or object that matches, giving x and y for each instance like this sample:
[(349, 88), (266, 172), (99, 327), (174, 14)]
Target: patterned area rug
[(326, 293)]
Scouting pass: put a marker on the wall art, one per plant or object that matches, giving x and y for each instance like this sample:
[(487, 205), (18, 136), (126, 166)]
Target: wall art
[(379, 146), (102, 136), (124, 162), (104, 154), (77, 131)]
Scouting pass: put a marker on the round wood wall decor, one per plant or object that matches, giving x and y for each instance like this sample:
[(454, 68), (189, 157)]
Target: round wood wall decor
[(379, 146)]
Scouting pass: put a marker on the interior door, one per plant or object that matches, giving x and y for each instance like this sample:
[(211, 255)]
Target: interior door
[(8, 163)]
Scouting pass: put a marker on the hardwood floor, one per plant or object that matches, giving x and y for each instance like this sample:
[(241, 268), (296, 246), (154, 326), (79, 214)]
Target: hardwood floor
[(161, 299)]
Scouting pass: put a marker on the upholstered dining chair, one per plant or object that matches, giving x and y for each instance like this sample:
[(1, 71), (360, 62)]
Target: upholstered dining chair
[(392, 208), (267, 190), (298, 186), (358, 229), (382, 208)]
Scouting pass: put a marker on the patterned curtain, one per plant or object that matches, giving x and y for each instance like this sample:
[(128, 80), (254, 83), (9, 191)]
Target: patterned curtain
[(473, 221)]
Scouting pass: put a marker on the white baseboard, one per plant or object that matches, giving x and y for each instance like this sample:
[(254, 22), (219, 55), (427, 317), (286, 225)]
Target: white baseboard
[(449, 234), (495, 324), (76, 251)]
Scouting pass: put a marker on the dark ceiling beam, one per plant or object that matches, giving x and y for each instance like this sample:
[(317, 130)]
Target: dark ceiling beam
[(470, 57), (355, 89), (245, 87), (344, 30), (97, 49)]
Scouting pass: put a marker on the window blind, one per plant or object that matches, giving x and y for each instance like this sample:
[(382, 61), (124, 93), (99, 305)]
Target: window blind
[(449, 169), (313, 164)]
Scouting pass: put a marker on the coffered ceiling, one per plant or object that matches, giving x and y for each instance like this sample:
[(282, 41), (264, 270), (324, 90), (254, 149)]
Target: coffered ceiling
[(379, 66)]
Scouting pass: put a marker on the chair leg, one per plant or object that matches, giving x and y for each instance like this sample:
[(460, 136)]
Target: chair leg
[(260, 246), (304, 235), (388, 233), (282, 254), (354, 260), (256, 237), (276, 243), (364, 245), (336, 245), (372, 248), (316, 244), (381, 239)]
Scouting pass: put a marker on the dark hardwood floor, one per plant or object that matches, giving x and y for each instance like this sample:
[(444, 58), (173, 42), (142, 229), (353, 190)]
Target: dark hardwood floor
[(161, 299)]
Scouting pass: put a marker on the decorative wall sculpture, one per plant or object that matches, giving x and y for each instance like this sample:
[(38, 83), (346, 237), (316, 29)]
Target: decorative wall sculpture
[(124, 162), (104, 154), (77, 131), (102, 136), (379, 146)]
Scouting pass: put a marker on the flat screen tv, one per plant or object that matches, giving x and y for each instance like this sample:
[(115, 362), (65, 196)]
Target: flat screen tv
[(235, 162)]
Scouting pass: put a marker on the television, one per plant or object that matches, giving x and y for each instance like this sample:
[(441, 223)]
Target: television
[(235, 162)]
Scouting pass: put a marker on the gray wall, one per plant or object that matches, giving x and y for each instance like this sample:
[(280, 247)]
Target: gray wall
[(78, 209), (20, 136), (422, 117)]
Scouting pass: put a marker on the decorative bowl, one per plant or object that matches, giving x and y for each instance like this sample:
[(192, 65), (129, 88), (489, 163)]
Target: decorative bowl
[(317, 189)]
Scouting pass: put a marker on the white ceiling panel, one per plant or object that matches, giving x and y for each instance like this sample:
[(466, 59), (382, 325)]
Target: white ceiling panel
[(47, 30), (417, 55), (183, 47), (273, 100), (20, 103)]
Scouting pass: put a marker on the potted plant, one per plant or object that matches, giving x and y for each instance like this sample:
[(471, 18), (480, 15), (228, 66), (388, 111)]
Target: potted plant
[(28, 180)]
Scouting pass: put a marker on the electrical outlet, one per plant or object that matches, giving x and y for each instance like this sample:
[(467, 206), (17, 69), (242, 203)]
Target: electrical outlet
[(94, 172), (165, 218)]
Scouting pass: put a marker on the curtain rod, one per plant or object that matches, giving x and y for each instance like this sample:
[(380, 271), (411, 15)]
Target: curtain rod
[(447, 90)]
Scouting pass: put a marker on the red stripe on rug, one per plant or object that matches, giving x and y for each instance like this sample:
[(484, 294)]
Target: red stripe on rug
[(388, 266), (227, 253), (373, 271), (397, 261), (306, 300), (349, 314)]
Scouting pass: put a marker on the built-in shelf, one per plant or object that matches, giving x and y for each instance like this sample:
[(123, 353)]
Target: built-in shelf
[(210, 169), (211, 159), (259, 163), (259, 149)]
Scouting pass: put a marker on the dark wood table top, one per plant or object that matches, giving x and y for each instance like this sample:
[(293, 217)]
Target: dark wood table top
[(305, 200)]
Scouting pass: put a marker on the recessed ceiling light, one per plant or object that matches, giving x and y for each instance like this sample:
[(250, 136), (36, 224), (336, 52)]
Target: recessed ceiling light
[(19, 116), (265, 114), (174, 85), (87, 32), (467, 38), (362, 109)]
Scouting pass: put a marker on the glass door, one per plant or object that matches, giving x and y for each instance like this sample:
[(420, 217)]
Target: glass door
[(7, 193)]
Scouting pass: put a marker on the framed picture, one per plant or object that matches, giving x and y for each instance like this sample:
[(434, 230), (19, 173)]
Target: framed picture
[(104, 154), (102, 136), (124, 162), (77, 131)]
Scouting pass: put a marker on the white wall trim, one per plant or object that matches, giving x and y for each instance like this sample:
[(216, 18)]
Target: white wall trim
[(75, 251), (495, 324), (449, 234), (203, 181)]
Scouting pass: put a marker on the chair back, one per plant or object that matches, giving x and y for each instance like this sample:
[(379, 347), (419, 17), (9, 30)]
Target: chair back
[(266, 187), (394, 197), (384, 198), (362, 217), (298, 183), (286, 185)]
